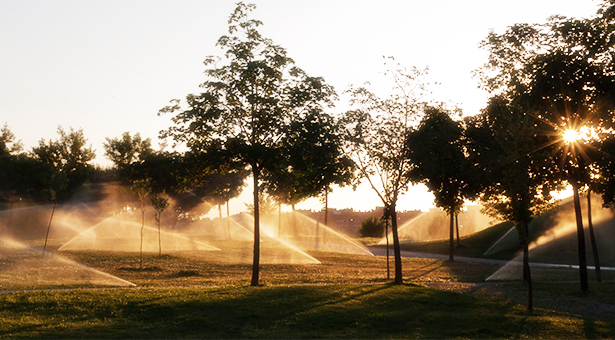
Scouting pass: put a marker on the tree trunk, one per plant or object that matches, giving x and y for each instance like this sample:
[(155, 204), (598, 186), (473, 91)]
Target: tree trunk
[(580, 238), (9, 222), (457, 228), (279, 219), (451, 243), (228, 220), (316, 243), (386, 233), (326, 206), (396, 248), (295, 226), (142, 226), (49, 227), (220, 214), (158, 216), (257, 236), (592, 237), (526, 268)]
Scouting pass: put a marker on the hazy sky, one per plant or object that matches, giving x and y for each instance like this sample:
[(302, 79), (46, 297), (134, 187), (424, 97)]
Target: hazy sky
[(108, 66)]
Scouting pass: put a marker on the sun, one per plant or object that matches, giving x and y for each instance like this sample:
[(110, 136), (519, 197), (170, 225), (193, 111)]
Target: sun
[(570, 136)]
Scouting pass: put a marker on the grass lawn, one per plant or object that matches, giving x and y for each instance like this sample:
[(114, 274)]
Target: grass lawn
[(205, 295), (305, 311)]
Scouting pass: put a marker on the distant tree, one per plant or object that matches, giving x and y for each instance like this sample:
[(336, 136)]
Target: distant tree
[(247, 103), (143, 171), (67, 160), (141, 188), (160, 204), (372, 227), (9, 150), (437, 151), (375, 134), (69, 157), (266, 204), (127, 151), (8, 144)]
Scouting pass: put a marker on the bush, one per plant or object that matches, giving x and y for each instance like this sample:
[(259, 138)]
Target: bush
[(372, 227)]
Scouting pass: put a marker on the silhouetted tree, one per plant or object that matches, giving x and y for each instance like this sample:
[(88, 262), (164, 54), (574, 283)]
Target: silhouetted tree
[(564, 70), (375, 134), (248, 101), (67, 160), (437, 151), (514, 172)]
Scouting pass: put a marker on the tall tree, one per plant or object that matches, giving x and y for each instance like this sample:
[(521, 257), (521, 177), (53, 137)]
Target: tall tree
[(437, 151), (564, 69), (514, 171), (250, 97), (375, 133)]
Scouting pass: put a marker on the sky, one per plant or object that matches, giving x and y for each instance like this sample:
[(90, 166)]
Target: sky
[(108, 66)]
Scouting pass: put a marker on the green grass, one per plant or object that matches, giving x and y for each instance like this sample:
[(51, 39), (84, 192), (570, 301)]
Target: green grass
[(307, 311)]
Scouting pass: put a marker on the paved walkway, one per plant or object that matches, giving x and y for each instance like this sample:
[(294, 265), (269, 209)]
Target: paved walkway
[(378, 251)]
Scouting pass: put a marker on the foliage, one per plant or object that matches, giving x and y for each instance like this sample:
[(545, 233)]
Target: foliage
[(375, 138), (67, 158), (250, 97), (266, 206), (127, 150), (8, 144), (437, 151), (372, 227), (309, 160), (515, 172)]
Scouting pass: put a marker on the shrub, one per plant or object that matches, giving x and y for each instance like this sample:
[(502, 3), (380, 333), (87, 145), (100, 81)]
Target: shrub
[(372, 227)]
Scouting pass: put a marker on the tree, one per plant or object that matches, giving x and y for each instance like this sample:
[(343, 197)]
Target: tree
[(127, 150), (309, 160), (9, 149), (67, 161), (8, 144), (504, 144), (564, 70), (129, 155), (372, 227), (437, 151), (160, 204), (247, 103), (375, 134)]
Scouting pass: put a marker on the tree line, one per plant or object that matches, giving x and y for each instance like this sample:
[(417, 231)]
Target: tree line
[(548, 123)]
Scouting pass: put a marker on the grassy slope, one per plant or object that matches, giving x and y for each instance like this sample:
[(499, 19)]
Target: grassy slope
[(331, 311), (562, 250)]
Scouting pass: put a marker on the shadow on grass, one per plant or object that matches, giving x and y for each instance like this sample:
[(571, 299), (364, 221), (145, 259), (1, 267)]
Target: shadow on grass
[(345, 311)]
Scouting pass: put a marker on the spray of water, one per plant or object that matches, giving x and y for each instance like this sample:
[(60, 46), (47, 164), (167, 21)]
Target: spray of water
[(311, 234), (268, 235), (115, 234), (434, 225), (563, 225), (22, 267)]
